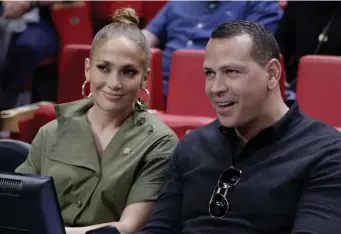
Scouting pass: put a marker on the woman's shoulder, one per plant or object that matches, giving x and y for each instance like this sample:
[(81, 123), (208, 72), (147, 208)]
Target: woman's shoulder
[(156, 124), (49, 130)]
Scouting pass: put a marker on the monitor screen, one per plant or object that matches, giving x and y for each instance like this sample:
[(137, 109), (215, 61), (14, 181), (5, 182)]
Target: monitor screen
[(28, 204)]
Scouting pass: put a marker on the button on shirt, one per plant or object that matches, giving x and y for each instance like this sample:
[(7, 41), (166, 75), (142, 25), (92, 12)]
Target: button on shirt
[(290, 183), (190, 24)]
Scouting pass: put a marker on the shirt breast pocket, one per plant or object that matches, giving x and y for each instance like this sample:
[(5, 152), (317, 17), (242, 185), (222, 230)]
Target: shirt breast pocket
[(198, 187), (67, 179)]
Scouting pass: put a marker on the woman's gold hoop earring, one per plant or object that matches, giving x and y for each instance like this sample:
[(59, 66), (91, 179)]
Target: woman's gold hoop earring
[(83, 90), (140, 104)]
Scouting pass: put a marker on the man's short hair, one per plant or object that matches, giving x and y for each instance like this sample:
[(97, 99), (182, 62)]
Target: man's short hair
[(264, 45)]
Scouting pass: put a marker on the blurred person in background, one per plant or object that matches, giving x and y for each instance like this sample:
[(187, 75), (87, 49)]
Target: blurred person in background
[(32, 38), (189, 24), (3, 40), (308, 27)]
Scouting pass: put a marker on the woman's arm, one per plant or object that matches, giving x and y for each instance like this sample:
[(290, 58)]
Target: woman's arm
[(32, 164), (144, 191), (132, 219)]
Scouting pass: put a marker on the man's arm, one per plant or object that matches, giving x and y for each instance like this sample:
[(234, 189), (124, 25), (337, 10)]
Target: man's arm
[(15, 9), (319, 211), (157, 27), (267, 13), (166, 216), (153, 41), (32, 164)]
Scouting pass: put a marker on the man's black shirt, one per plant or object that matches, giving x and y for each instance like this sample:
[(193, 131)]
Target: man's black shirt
[(291, 180)]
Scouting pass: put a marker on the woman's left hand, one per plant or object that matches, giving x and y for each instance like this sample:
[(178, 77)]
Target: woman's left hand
[(72, 230)]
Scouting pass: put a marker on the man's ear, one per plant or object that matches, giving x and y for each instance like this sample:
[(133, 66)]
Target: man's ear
[(274, 73), (87, 69)]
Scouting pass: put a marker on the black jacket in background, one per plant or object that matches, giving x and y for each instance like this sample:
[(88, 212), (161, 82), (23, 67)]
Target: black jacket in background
[(300, 27)]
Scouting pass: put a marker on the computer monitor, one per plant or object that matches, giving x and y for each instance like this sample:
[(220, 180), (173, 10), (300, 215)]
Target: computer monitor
[(29, 205)]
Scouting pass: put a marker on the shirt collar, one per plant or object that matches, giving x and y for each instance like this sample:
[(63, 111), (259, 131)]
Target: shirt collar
[(290, 119)]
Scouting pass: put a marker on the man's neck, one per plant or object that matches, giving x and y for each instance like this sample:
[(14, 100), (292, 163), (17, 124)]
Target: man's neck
[(270, 114)]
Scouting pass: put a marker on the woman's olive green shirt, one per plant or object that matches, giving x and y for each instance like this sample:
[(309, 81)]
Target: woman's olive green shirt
[(93, 188)]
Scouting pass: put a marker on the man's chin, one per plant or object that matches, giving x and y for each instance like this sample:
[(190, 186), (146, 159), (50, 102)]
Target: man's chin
[(228, 122)]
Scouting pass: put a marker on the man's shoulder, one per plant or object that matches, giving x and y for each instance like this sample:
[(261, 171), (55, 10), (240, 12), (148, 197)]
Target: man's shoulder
[(198, 147), (200, 140), (316, 140), (205, 132), (319, 130)]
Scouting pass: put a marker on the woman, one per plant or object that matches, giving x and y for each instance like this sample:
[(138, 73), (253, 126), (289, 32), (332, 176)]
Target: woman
[(107, 155)]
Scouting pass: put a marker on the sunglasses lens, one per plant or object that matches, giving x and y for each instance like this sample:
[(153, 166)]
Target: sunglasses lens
[(218, 206), (231, 176)]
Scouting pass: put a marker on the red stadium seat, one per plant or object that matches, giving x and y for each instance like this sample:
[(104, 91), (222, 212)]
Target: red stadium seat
[(30, 126), (154, 83), (186, 90), (318, 90), (73, 22), (71, 72), (105, 9)]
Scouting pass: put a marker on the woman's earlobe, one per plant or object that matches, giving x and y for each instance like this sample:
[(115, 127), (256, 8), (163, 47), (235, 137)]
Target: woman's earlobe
[(147, 74), (143, 84), (87, 69)]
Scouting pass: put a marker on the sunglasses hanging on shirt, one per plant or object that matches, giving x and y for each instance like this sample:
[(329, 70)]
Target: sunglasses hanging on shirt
[(219, 205)]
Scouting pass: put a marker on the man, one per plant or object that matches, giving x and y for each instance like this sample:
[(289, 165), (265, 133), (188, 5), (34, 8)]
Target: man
[(182, 25), (263, 166)]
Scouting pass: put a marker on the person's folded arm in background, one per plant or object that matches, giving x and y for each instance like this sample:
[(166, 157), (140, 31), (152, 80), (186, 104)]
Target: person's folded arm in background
[(156, 27), (16, 9), (268, 13)]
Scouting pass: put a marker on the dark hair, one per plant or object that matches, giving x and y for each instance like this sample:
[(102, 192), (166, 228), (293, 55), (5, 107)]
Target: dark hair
[(124, 23), (264, 46)]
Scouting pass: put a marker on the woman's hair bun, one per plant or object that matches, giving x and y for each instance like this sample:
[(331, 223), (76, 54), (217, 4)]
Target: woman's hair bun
[(125, 16)]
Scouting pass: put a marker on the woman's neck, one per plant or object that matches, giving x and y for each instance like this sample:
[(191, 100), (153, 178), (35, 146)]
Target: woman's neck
[(101, 119)]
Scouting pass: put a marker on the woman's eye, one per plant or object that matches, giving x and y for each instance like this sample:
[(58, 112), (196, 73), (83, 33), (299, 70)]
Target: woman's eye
[(103, 68), (130, 72)]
